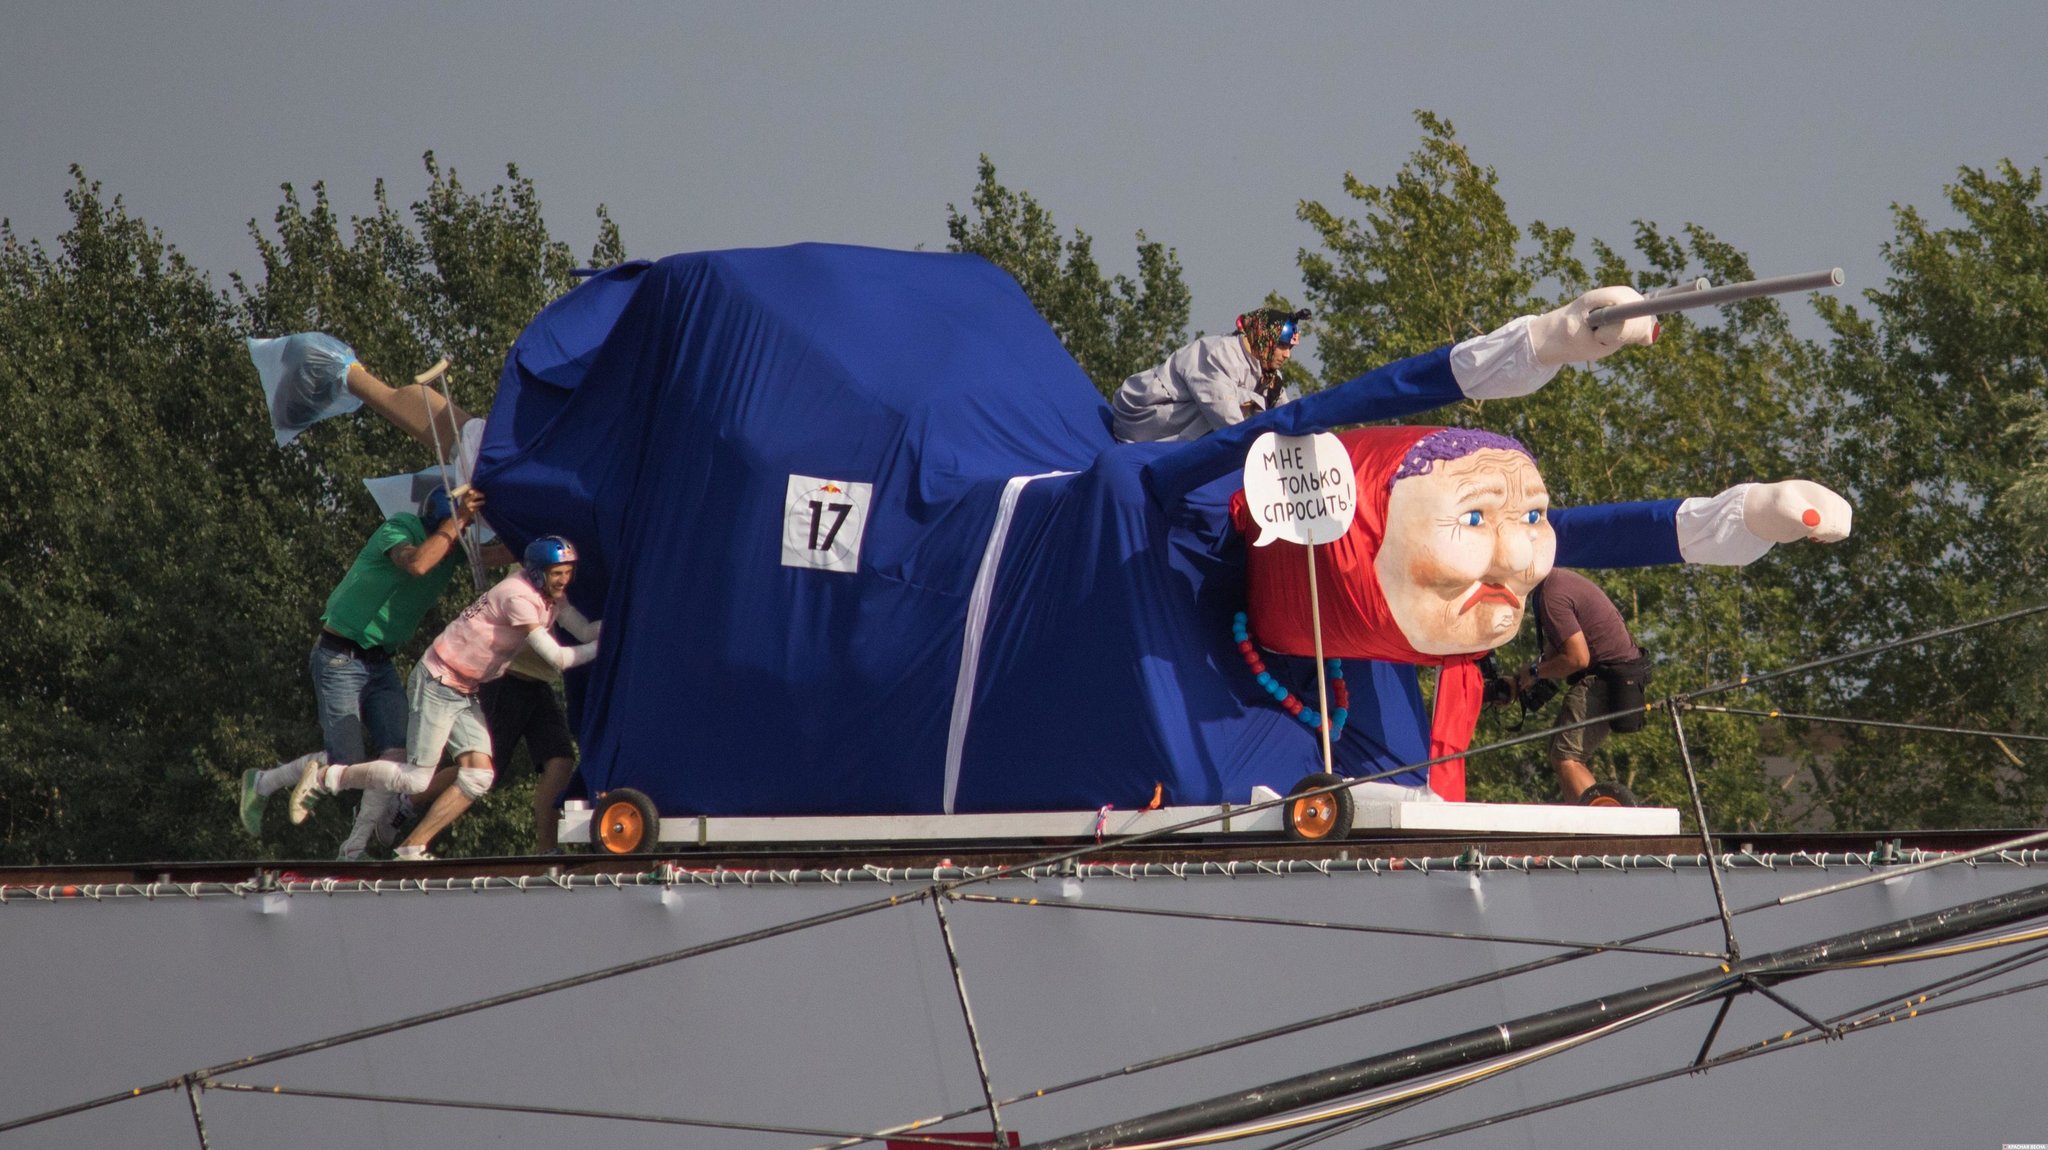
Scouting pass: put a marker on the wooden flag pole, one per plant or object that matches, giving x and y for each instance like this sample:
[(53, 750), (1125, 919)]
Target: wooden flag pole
[(1315, 609)]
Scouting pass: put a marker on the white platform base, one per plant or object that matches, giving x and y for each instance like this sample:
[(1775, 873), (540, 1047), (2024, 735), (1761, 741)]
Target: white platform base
[(1440, 818), (1517, 819)]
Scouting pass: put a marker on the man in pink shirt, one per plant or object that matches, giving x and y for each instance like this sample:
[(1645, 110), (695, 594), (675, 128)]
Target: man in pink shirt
[(476, 648)]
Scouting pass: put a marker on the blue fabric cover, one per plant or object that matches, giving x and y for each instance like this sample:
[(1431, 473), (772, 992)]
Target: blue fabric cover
[(654, 416)]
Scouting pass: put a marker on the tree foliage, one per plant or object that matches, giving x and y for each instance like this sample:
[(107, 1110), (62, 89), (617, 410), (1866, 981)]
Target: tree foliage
[(1113, 326), (1936, 414), (151, 564), (1433, 259)]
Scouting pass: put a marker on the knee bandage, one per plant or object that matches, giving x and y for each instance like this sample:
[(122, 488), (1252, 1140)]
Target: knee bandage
[(474, 781)]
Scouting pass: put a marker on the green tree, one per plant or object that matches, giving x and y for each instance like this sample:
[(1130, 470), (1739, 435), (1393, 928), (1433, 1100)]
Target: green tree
[(1113, 326), (1936, 416), (1433, 259), (153, 550)]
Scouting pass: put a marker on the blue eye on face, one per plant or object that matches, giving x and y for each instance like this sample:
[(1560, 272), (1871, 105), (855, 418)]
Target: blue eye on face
[(1470, 518), (1533, 517)]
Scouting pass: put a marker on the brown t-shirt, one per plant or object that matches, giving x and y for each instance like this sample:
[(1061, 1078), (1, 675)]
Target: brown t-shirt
[(1569, 604)]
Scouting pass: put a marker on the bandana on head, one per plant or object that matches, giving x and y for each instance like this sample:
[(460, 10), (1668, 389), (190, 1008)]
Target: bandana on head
[(1357, 623), (1262, 333)]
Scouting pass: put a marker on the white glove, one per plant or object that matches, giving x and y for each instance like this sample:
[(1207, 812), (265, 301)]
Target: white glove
[(1561, 336), (1738, 526), (1795, 509)]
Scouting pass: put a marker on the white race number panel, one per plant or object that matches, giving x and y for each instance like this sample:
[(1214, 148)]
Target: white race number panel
[(822, 523)]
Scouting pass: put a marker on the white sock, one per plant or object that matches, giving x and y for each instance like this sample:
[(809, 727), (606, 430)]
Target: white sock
[(282, 776)]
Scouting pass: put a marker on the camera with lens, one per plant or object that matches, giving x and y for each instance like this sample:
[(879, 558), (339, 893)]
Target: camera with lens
[(1499, 690)]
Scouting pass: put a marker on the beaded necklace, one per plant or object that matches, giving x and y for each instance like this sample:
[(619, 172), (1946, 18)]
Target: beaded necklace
[(1340, 695)]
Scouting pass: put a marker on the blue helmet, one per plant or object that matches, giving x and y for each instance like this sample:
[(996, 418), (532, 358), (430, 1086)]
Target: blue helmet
[(545, 552), (435, 509)]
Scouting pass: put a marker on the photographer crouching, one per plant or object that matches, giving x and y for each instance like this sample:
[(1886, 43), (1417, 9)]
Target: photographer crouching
[(1585, 643)]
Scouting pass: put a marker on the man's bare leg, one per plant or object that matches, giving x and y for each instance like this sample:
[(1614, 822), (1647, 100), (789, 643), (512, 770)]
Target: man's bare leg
[(547, 799), (1573, 777), (448, 806), (443, 779), (419, 411)]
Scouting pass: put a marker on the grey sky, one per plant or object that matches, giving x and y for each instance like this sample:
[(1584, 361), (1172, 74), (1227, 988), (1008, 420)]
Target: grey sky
[(1787, 129)]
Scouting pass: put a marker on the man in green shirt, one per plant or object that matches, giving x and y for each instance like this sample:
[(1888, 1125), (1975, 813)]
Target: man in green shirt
[(397, 577)]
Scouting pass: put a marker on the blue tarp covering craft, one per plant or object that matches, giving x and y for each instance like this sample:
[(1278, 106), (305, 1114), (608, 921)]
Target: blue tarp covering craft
[(862, 543)]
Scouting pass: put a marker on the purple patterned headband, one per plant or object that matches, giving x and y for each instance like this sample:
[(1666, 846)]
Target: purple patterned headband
[(1452, 443)]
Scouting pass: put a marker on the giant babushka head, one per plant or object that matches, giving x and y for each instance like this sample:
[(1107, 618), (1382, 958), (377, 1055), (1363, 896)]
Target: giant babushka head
[(1451, 535)]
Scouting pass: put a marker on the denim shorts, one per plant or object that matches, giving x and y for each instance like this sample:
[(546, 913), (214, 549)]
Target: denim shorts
[(443, 718), (361, 704)]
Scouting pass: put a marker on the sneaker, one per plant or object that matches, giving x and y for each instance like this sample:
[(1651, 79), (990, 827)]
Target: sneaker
[(412, 854), (307, 786), (252, 803)]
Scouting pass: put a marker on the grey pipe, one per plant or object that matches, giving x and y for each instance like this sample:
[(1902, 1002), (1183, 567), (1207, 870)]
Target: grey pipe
[(1713, 297), (1699, 284)]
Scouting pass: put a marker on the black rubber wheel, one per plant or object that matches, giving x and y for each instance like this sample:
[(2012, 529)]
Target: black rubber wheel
[(623, 821), (1608, 795), (1317, 818)]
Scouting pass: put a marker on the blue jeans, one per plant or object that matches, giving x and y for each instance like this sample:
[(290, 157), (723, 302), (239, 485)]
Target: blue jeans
[(356, 697)]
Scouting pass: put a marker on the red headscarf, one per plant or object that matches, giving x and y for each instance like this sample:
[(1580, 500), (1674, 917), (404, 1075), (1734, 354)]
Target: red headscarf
[(1357, 623)]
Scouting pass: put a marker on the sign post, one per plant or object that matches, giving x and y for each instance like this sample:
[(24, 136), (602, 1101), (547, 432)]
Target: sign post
[(1301, 488)]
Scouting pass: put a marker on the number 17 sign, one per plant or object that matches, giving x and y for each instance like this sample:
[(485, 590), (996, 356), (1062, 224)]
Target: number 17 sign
[(822, 523)]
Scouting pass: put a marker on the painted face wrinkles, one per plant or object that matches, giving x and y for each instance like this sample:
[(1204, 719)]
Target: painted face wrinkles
[(1461, 552)]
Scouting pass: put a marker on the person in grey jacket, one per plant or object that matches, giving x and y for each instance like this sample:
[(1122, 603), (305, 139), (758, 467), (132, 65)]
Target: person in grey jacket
[(1212, 383)]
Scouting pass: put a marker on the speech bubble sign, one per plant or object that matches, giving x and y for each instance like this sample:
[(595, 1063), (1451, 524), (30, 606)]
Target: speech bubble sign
[(1300, 488)]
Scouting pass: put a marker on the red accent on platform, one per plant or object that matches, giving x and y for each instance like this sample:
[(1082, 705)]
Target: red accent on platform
[(980, 1137)]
